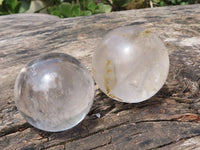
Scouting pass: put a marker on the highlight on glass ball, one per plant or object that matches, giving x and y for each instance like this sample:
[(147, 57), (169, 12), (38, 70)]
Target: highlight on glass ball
[(130, 64), (54, 92)]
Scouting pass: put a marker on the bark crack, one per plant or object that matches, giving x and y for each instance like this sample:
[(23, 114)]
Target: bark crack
[(173, 142), (99, 146), (14, 129)]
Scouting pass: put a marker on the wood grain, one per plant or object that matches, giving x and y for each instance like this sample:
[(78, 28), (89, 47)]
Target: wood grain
[(169, 120)]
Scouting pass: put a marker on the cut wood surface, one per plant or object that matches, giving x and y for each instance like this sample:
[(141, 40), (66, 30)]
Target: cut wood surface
[(169, 120)]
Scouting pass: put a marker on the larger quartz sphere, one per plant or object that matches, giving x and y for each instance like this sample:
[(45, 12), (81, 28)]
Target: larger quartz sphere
[(130, 64), (54, 92)]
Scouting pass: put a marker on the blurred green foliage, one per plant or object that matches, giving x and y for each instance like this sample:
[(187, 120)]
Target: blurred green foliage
[(174, 2), (73, 8), (79, 8), (14, 6), (117, 4)]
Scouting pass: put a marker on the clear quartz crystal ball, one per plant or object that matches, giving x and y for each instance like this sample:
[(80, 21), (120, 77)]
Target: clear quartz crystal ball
[(54, 92), (130, 64)]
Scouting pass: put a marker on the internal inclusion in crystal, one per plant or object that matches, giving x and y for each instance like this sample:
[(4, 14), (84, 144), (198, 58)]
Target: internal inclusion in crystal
[(130, 64)]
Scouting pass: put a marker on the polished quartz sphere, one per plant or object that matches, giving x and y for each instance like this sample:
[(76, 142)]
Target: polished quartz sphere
[(54, 92), (130, 64)]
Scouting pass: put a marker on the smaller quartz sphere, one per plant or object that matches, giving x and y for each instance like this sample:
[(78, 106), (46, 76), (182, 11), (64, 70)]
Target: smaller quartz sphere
[(54, 92), (130, 64)]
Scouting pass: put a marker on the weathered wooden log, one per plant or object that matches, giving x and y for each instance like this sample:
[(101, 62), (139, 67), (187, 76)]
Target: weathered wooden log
[(169, 120)]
